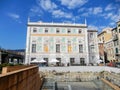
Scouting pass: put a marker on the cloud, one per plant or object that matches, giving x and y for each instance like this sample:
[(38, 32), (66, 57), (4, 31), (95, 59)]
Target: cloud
[(71, 4), (112, 23), (112, 16), (109, 7), (92, 11), (13, 15), (47, 4), (61, 14), (97, 10), (92, 27), (36, 11)]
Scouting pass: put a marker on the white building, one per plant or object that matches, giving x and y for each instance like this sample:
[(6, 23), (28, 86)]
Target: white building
[(93, 47), (67, 43)]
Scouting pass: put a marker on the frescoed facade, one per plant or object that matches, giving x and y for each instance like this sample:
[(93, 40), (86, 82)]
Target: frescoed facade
[(67, 43)]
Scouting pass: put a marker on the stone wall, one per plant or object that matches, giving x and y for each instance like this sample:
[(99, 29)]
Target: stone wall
[(81, 69), (23, 79)]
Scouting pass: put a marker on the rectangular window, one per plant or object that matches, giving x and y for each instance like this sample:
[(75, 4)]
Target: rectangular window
[(33, 48), (82, 61), (116, 50), (58, 48), (57, 30), (79, 31), (68, 31), (80, 48), (33, 58), (119, 30), (92, 48), (72, 61), (91, 35), (46, 59), (69, 48), (46, 30), (34, 30), (46, 48)]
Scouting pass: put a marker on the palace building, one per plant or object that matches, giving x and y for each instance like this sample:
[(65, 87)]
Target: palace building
[(65, 42)]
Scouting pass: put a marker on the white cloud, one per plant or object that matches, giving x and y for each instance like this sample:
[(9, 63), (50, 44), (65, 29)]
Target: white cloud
[(97, 10), (47, 4), (112, 23), (85, 14), (109, 7), (13, 15), (92, 11), (71, 4), (113, 17), (92, 27), (60, 14), (36, 10), (81, 9)]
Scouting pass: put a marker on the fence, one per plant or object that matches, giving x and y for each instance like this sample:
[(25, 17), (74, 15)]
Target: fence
[(27, 78)]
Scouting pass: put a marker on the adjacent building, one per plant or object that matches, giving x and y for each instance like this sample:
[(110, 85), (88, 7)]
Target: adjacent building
[(106, 45), (65, 42), (93, 46), (116, 41)]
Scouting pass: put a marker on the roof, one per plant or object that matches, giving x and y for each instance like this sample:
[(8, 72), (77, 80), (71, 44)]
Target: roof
[(92, 31), (57, 24), (101, 33), (114, 28)]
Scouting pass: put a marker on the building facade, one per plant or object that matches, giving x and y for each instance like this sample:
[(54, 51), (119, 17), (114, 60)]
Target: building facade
[(109, 48), (93, 46), (116, 41), (67, 43), (105, 45)]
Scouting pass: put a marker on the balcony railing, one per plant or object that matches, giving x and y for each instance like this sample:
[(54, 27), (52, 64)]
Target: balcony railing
[(115, 37)]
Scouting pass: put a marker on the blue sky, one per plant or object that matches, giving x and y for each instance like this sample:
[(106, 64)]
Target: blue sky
[(14, 13)]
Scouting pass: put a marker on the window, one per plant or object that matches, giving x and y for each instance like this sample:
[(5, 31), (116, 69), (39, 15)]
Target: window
[(116, 50), (72, 60), (46, 30), (119, 30), (80, 48), (34, 30), (33, 48), (118, 25), (58, 63), (57, 30), (68, 31), (46, 59), (82, 61), (58, 48), (93, 57), (46, 48), (92, 48), (33, 58), (69, 48), (79, 31), (91, 35)]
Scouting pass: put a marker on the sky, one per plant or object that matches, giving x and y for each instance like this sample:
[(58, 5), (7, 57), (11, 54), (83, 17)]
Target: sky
[(14, 15)]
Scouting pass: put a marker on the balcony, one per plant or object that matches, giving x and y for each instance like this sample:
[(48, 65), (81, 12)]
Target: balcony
[(115, 37)]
